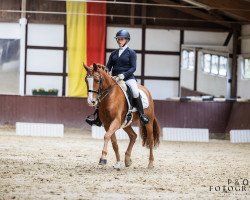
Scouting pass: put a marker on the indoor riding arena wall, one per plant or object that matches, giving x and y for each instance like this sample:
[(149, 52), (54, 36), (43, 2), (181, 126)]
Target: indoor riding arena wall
[(218, 117)]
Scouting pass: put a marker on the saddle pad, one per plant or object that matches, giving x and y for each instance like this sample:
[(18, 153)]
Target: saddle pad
[(144, 98), (129, 118)]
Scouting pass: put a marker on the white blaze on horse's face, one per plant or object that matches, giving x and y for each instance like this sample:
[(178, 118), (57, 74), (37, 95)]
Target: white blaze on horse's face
[(91, 100)]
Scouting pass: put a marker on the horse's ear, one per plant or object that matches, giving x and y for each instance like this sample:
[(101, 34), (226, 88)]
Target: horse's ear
[(86, 67), (95, 66)]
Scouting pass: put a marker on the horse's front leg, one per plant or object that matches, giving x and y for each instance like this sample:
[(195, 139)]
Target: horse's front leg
[(114, 126)]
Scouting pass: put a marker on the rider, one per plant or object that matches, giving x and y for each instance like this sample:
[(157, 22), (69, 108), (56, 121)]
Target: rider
[(122, 64)]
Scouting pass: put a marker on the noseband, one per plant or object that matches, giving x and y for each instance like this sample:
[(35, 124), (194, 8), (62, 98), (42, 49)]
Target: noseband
[(101, 94)]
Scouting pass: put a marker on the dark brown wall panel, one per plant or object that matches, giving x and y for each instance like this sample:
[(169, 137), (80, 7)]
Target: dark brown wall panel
[(216, 116), (69, 111), (240, 116), (211, 115), (10, 5), (46, 6)]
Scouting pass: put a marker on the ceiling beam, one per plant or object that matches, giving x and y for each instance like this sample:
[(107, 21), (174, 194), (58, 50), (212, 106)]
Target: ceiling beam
[(236, 8), (196, 13)]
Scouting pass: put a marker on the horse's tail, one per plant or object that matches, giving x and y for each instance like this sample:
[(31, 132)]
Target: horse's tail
[(156, 133), (143, 133)]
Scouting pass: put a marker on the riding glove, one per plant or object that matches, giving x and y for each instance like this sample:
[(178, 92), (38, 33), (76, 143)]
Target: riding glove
[(119, 77)]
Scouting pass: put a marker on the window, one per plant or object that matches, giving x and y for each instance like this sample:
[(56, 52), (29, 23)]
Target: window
[(188, 59), (246, 68), (215, 64), (207, 63), (223, 66)]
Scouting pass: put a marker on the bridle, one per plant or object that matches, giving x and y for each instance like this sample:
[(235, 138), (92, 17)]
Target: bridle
[(101, 94)]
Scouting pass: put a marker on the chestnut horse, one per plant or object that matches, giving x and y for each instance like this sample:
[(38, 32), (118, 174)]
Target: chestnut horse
[(104, 91)]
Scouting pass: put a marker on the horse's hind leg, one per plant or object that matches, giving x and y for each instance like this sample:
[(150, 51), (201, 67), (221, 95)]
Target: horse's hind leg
[(132, 136), (115, 147), (150, 143)]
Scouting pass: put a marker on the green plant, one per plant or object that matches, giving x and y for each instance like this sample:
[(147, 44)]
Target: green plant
[(41, 91)]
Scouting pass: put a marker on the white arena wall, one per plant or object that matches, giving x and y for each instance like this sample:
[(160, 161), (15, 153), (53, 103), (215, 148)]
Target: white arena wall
[(46, 58), (45, 43)]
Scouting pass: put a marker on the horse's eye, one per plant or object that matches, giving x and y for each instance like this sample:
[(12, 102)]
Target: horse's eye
[(97, 81)]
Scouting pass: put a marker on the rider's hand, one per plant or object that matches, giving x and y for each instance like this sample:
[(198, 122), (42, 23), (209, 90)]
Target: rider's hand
[(119, 77)]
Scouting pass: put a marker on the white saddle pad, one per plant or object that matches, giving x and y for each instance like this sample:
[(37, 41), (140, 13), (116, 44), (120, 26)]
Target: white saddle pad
[(144, 97)]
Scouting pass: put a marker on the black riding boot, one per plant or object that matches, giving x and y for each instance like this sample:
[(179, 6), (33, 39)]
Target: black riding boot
[(94, 121), (138, 103)]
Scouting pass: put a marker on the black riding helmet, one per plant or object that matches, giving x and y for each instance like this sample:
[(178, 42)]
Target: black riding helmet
[(123, 34)]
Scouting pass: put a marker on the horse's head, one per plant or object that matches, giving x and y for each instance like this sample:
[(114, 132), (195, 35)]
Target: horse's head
[(94, 82)]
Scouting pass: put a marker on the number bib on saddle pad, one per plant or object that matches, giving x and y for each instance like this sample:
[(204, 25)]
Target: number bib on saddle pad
[(129, 97)]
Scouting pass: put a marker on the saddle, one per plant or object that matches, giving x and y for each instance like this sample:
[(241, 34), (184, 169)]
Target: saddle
[(131, 104)]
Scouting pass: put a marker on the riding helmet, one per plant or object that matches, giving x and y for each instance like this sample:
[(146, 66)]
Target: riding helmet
[(123, 34)]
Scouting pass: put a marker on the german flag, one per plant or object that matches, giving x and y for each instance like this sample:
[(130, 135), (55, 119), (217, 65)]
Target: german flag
[(86, 34)]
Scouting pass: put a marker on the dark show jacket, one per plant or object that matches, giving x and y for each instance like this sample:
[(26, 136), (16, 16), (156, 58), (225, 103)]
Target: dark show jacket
[(125, 64)]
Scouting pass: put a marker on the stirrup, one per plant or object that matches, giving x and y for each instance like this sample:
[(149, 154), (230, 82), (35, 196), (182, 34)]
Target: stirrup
[(89, 121), (96, 122)]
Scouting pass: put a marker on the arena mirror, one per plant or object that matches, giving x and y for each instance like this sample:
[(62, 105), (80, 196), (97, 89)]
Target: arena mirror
[(9, 66)]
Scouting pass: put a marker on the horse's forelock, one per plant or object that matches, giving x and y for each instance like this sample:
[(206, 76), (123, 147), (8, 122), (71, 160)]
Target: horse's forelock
[(97, 67), (100, 66)]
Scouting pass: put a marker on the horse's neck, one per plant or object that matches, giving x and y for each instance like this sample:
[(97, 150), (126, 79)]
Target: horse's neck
[(111, 100), (107, 81), (109, 84)]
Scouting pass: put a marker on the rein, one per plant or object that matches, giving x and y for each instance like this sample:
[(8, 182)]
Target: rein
[(105, 93)]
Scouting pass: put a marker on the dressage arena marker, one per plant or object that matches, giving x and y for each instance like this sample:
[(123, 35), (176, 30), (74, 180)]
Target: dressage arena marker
[(185, 134), (240, 136), (39, 129), (98, 133)]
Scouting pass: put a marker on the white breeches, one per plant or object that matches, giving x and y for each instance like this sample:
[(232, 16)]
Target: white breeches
[(134, 87)]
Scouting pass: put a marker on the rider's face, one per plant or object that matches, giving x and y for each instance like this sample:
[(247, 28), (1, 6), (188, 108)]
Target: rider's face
[(121, 41)]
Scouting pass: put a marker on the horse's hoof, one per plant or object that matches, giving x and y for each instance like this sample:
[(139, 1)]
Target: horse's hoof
[(118, 166), (150, 166), (102, 161), (128, 162)]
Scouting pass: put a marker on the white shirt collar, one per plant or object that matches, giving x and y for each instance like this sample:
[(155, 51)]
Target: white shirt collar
[(121, 49)]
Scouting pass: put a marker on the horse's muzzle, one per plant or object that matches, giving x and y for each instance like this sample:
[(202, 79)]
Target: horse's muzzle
[(92, 102)]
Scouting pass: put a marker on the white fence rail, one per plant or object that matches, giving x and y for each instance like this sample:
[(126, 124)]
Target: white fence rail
[(186, 134), (39, 129), (240, 136)]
